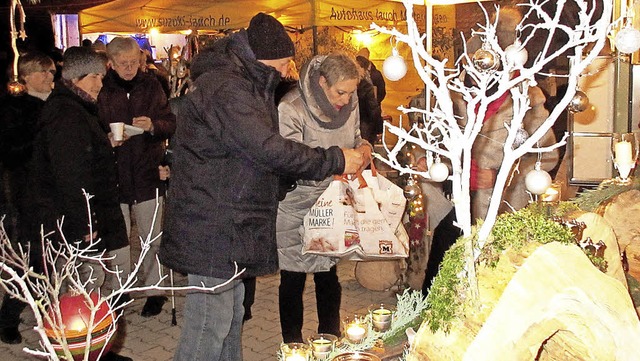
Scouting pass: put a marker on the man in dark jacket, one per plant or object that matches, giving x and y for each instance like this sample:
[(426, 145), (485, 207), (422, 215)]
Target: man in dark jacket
[(228, 156), (137, 98), (18, 118)]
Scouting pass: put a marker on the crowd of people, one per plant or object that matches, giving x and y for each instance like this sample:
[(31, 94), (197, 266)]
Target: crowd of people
[(253, 146)]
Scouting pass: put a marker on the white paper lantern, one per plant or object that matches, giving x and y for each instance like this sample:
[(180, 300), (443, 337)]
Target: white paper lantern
[(394, 68), (515, 55), (628, 40), (537, 180), (438, 171)]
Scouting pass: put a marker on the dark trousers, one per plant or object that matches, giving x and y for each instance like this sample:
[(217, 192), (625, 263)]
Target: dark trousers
[(328, 296), (249, 297), (444, 236)]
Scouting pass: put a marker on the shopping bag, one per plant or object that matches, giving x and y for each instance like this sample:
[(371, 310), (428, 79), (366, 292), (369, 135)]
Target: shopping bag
[(357, 220)]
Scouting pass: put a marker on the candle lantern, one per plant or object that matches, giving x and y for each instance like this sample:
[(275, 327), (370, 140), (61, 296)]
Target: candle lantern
[(295, 351), (355, 328), (322, 345), (625, 154), (381, 316)]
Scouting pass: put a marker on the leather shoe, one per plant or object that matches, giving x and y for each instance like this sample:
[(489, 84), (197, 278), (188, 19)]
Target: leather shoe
[(10, 335), (112, 356), (153, 306)]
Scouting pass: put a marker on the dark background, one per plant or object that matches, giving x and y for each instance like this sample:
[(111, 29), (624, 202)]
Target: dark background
[(38, 28)]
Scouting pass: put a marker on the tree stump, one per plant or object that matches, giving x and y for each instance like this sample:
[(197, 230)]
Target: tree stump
[(623, 213)]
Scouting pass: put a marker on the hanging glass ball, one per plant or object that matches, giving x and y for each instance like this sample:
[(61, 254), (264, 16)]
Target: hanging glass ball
[(579, 103), (486, 59), (537, 180), (394, 68), (521, 136), (411, 189), (628, 40), (438, 171), (16, 88), (515, 55)]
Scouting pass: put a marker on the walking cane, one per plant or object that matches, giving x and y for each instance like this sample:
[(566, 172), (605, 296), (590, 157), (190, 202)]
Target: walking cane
[(166, 161)]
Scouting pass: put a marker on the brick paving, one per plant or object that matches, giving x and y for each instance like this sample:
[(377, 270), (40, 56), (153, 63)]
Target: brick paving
[(155, 339)]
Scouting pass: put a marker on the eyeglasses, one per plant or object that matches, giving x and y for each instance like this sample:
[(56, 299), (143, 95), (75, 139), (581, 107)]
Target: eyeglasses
[(128, 64)]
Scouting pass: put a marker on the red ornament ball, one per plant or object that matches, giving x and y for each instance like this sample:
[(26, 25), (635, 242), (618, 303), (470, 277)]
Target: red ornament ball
[(75, 311)]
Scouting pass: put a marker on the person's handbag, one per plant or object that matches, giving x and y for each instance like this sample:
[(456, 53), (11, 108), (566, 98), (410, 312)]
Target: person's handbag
[(358, 219)]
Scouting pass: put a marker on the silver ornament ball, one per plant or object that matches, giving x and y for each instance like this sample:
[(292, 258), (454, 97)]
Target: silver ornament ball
[(628, 40), (579, 103), (486, 59), (521, 136), (411, 189)]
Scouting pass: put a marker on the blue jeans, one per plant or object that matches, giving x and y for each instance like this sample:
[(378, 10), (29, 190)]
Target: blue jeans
[(212, 327)]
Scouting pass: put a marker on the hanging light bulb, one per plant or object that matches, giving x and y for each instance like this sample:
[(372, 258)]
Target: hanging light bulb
[(579, 102), (537, 180), (438, 171), (394, 68), (515, 55), (628, 40)]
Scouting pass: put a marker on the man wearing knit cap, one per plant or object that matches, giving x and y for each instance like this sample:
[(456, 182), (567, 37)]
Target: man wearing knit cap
[(228, 157)]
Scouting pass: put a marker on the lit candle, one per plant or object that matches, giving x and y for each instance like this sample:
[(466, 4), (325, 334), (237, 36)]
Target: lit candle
[(551, 195), (381, 319), (356, 332), (623, 152), (295, 351), (321, 348), (295, 357)]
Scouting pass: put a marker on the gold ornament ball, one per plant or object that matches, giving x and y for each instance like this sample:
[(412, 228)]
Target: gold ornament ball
[(486, 59)]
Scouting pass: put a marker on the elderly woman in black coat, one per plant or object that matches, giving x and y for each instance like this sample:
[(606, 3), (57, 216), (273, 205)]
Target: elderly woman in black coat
[(73, 154)]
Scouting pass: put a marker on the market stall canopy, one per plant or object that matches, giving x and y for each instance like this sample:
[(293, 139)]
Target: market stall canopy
[(171, 16)]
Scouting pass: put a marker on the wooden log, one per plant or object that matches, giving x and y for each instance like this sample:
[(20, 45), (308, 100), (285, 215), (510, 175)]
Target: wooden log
[(559, 306), (623, 213)]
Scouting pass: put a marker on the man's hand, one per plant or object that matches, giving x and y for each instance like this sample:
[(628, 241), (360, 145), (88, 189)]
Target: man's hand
[(144, 123), (354, 160)]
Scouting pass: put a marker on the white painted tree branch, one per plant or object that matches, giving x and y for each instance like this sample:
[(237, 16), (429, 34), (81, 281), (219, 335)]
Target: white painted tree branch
[(41, 292), (585, 40)]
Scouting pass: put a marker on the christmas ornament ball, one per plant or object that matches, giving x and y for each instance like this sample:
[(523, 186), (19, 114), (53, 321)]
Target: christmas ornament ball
[(579, 102), (394, 68), (411, 189), (521, 136), (438, 171), (75, 315), (628, 40), (537, 181), (486, 59), (515, 55)]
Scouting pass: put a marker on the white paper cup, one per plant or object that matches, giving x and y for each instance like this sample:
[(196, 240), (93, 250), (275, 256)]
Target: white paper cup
[(118, 130)]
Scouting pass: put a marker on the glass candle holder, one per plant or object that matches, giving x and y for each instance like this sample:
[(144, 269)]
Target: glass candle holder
[(625, 154), (322, 345), (295, 351), (355, 328), (381, 316)]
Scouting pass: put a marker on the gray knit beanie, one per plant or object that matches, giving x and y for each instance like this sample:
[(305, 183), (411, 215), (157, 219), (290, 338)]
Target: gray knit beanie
[(268, 39), (80, 61)]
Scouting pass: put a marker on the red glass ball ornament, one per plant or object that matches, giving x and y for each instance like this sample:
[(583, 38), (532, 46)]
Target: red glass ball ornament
[(75, 312)]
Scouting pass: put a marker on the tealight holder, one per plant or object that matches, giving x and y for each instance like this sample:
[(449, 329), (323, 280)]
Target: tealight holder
[(553, 193), (295, 351), (322, 345), (355, 328), (381, 316)]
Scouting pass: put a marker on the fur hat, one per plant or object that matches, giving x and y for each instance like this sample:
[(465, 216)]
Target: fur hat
[(80, 61), (268, 39)]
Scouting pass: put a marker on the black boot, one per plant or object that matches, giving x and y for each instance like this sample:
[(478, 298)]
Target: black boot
[(10, 335), (112, 356), (153, 306)]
